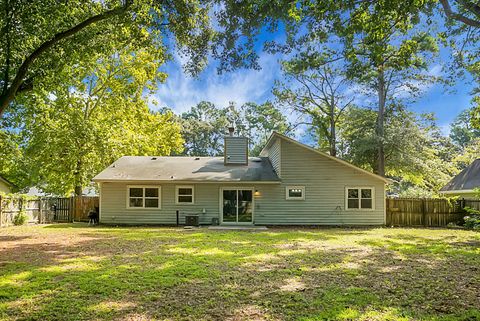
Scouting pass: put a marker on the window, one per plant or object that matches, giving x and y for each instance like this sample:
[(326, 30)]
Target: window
[(143, 197), (295, 193), (359, 198), (184, 195)]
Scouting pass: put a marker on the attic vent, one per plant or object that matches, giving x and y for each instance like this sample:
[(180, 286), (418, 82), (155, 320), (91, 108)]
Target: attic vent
[(154, 158)]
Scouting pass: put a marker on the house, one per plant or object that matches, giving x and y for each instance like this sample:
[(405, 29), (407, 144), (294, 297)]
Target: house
[(465, 182), (289, 184), (5, 186)]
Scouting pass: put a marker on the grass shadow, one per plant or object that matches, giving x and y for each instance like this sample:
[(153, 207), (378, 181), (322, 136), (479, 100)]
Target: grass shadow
[(166, 273)]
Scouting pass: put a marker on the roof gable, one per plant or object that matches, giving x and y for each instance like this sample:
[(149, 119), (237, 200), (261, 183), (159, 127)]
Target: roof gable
[(276, 135), (468, 179)]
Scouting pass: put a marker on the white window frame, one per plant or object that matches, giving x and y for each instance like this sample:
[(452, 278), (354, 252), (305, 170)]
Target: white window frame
[(359, 188), (143, 197), (177, 195), (290, 198)]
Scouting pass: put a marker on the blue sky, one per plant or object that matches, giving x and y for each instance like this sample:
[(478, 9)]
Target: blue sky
[(181, 91)]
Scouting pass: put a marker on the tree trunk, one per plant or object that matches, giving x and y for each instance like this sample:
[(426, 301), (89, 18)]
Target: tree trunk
[(333, 134), (78, 190), (5, 100), (380, 132), (78, 179)]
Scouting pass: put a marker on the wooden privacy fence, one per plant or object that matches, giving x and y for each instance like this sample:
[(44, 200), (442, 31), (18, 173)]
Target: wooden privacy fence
[(82, 207), (399, 211), (47, 209), (426, 212)]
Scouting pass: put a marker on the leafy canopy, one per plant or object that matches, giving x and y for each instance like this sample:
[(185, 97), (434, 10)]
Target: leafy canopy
[(205, 125), (67, 137), (40, 40)]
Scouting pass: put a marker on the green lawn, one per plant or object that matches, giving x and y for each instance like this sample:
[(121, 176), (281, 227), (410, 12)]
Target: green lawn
[(75, 272)]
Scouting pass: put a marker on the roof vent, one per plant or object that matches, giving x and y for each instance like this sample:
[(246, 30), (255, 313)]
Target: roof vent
[(197, 158), (153, 158)]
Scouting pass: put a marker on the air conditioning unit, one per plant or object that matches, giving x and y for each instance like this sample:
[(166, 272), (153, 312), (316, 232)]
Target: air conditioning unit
[(192, 220)]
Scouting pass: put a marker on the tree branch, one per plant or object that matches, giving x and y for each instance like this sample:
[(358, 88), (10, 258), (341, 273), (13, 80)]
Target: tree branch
[(457, 16), (8, 97)]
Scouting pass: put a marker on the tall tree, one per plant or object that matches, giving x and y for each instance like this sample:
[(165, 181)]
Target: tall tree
[(72, 134), (203, 128), (414, 146), (205, 124), (260, 121), (461, 130), (41, 38), (319, 95), (378, 43)]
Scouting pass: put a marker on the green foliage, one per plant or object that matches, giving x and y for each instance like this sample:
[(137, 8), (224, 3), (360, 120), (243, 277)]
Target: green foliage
[(473, 219), (204, 126), (21, 218), (160, 273), (319, 97), (414, 147), (475, 113), (469, 153), (10, 153), (378, 44), (70, 135), (477, 192), (409, 190), (44, 39), (461, 131)]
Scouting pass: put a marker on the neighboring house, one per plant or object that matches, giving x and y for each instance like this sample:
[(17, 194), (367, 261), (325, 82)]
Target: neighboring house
[(5, 186), (465, 182), (36, 191), (290, 183)]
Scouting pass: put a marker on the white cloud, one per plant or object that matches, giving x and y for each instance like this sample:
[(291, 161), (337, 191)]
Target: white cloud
[(445, 129), (180, 91)]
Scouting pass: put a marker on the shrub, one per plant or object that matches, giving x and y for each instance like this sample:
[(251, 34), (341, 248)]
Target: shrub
[(473, 219), (20, 219)]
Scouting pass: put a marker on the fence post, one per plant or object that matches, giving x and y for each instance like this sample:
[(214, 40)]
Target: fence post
[(424, 212), (1, 211), (40, 211), (72, 209)]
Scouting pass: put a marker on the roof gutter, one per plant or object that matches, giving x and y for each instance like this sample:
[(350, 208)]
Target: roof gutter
[(99, 180), (458, 191)]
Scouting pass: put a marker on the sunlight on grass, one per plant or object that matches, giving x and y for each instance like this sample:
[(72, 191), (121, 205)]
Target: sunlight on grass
[(73, 272), (110, 306)]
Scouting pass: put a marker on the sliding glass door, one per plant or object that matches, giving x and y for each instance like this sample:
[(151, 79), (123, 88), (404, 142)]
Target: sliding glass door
[(237, 205)]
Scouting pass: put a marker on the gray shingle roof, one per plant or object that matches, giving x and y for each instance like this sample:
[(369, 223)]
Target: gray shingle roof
[(467, 179), (152, 168)]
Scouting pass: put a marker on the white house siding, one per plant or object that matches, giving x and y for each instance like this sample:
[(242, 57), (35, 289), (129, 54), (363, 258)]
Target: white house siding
[(325, 181), (114, 199), (274, 155)]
